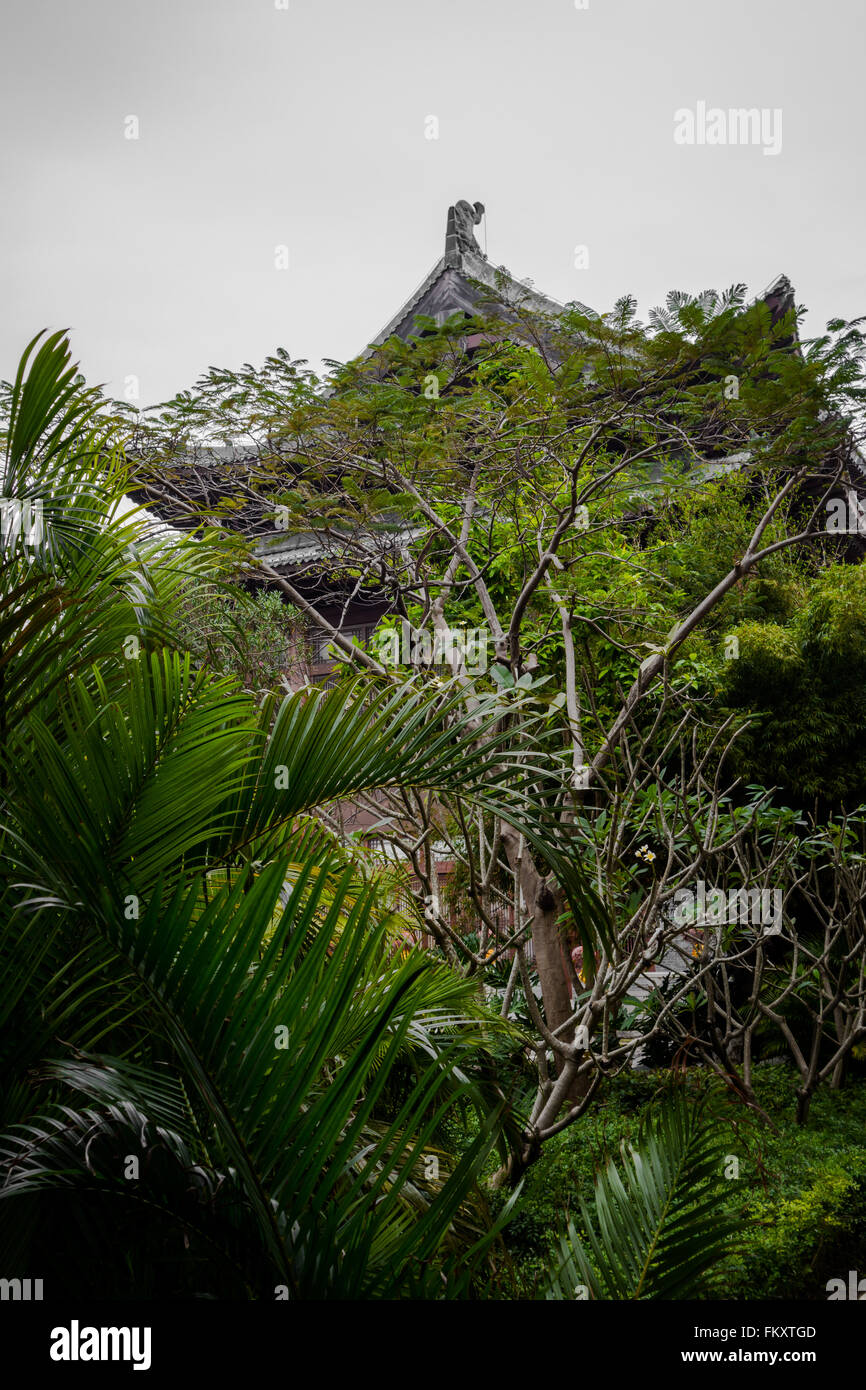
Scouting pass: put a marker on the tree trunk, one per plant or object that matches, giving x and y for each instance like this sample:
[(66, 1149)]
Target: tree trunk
[(547, 948), (546, 904)]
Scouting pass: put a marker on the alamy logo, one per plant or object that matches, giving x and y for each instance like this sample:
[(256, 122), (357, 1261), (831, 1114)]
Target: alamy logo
[(848, 516), (737, 126), (21, 1290), (76, 1343), (409, 647), (713, 907), (21, 518), (853, 1291)]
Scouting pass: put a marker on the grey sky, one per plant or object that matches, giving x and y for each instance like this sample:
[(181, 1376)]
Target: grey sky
[(305, 127)]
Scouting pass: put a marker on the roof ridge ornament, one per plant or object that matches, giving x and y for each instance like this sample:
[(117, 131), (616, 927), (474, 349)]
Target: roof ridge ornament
[(459, 234)]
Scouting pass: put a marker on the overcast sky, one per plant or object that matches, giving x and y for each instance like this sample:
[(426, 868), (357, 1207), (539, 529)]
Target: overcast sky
[(306, 127)]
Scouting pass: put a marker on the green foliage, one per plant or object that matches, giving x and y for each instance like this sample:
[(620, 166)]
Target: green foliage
[(706, 529), (656, 1227), (806, 682), (169, 911), (802, 1196), (799, 1199), (335, 1203), (251, 636), (168, 901)]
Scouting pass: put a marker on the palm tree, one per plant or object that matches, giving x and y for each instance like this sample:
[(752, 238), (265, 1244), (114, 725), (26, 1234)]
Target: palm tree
[(218, 1057)]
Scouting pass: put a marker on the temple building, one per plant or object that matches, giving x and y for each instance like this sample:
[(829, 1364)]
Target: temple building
[(461, 282), (314, 563)]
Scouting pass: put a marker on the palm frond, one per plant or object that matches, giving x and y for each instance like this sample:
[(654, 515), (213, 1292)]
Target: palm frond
[(657, 1223), (256, 1030)]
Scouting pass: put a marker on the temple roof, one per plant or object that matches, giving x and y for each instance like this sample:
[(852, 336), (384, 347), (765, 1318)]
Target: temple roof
[(463, 280)]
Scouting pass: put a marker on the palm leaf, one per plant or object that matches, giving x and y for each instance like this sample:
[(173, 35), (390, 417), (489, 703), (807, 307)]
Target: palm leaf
[(294, 1123), (656, 1226)]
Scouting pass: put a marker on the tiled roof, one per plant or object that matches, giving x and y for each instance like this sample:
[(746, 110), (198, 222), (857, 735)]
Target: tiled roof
[(458, 281)]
